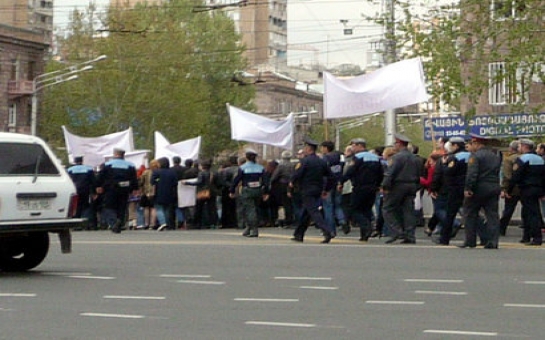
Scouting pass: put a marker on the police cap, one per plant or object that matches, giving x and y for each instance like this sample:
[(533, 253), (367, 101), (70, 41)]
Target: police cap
[(311, 142), (250, 151), (286, 154), (477, 138), (457, 140), (119, 151), (359, 141), (401, 138), (526, 141)]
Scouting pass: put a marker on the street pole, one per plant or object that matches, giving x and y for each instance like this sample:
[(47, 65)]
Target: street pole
[(390, 120), (55, 77)]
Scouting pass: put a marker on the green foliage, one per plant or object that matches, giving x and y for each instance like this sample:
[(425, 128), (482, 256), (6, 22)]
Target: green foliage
[(168, 70)]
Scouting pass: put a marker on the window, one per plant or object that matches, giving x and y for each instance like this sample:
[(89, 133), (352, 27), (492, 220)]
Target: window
[(508, 9), (12, 115), (507, 84), (25, 159)]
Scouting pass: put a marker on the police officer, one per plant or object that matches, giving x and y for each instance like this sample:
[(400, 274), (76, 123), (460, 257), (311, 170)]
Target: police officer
[(529, 175), (83, 177), (510, 200), (117, 180), (315, 179), (482, 190), (251, 175), (455, 177), (400, 184), (365, 173)]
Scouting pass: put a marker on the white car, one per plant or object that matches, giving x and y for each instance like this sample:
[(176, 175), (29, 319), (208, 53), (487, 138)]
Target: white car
[(37, 197)]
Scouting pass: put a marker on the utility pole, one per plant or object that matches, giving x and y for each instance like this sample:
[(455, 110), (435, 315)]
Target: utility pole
[(390, 121)]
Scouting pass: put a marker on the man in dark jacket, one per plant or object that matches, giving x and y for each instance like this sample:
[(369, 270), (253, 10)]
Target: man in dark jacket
[(400, 184), (84, 180), (165, 182), (279, 187), (482, 191), (529, 175), (117, 180), (315, 180), (333, 211), (366, 174)]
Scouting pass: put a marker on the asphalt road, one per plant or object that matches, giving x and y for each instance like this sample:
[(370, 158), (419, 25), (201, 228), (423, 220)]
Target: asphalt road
[(215, 284)]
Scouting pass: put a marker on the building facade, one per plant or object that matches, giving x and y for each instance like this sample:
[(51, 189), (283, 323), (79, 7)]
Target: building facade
[(35, 15), (504, 50), (22, 55)]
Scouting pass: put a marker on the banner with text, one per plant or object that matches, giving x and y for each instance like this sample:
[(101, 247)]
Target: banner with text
[(498, 126)]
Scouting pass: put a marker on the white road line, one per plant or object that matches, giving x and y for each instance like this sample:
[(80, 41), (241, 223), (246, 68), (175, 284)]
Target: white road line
[(522, 305), (185, 276), (439, 331), (319, 287), (17, 295), (202, 282), (534, 282), (92, 277), (302, 278), (66, 274), (129, 297), (378, 302), (434, 280), (266, 300), (437, 292), (117, 316), (280, 324)]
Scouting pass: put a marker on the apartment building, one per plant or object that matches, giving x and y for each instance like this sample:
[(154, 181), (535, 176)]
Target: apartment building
[(22, 53), (515, 80), (35, 15)]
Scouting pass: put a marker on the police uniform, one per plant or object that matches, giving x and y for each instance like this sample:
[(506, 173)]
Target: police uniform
[(400, 184), (529, 175), (251, 177), (482, 190), (83, 177), (117, 179), (510, 201), (455, 176), (314, 178), (366, 175)]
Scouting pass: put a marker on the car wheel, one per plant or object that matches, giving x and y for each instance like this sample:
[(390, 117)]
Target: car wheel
[(22, 253)]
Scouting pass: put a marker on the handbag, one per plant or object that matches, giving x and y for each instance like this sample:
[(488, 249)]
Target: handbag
[(204, 194), (145, 201)]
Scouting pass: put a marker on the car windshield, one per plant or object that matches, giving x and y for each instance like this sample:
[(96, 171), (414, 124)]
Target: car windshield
[(25, 159)]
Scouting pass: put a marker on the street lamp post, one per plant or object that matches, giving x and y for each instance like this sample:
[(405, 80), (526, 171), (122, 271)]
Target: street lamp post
[(53, 78)]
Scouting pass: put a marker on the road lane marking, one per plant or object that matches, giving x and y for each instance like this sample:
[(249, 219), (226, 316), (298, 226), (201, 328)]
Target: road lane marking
[(91, 277), (437, 292), (280, 324), (453, 332), (434, 280), (180, 276), (17, 295), (66, 274), (302, 278), (523, 305), (202, 282), (265, 300), (534, 282), (129, 297), (117, 316), (319, 287), (379, 302)]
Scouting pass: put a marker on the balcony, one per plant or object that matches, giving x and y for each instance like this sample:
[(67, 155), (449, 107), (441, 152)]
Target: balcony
[(20, 87)]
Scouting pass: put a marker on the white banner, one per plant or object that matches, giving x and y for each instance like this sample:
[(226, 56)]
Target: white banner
[(95, 149), (188, 149), (249, 127), (390, 87)]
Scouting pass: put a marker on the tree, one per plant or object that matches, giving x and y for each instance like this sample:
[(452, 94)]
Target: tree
[(458, 41), (168, 69)]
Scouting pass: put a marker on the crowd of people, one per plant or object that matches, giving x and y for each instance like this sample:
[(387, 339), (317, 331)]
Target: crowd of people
[(375, 191)]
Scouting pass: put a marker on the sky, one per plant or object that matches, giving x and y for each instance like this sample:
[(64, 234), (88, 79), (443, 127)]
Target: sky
[(63, 8)]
